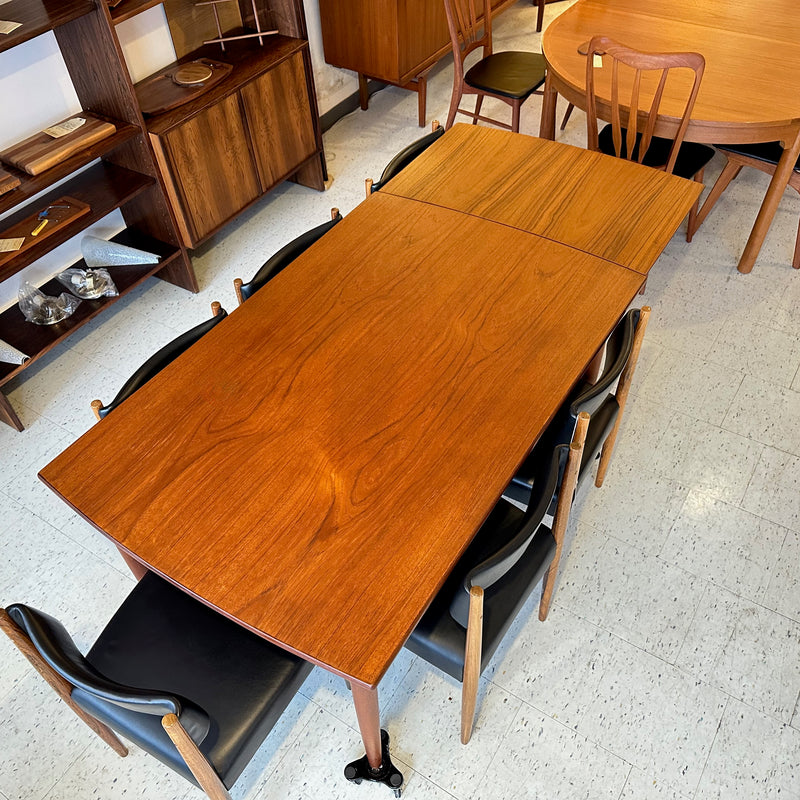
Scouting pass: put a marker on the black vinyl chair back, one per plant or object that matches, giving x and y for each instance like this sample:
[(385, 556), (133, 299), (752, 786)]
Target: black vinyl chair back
[(57, 648), (158, 361), (284, 257), (596, 399), (405, 157), (496, 564)]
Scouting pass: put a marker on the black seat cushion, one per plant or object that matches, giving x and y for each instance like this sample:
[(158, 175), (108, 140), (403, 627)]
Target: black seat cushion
[(163, 638), (769, 152), (438, 638), (692, 157), (513, 73)]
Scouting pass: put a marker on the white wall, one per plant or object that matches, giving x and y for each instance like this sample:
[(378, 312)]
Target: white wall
[(36, 91)]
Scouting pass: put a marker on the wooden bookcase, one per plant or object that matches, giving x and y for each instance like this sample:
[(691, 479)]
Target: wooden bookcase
[(176, 177), (126, 177)]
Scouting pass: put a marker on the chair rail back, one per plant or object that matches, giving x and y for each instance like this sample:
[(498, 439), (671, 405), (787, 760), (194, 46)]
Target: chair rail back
[(623, 112)]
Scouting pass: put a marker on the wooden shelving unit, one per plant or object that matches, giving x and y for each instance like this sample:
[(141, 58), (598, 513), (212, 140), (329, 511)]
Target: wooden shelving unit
[(125, 178), (36, 340)]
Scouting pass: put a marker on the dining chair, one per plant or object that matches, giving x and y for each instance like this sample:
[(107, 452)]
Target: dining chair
[(178, 679), (636, 142), (166, 355), (600, 399), (511, 76), (405, 157), (278, 262), (762, 156), (512, 553)]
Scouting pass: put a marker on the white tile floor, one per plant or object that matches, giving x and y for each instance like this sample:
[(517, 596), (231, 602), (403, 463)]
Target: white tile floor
[(670, 665)]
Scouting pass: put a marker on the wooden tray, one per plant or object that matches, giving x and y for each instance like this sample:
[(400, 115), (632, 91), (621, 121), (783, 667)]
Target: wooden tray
[(160, 93), (57, 218), (40, 151), (7, 181)]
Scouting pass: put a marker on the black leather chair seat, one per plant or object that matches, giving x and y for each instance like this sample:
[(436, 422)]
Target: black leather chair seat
[(163, 639), (692, 156), (769, 152), (513, 73), (438, 638), (600, 425)]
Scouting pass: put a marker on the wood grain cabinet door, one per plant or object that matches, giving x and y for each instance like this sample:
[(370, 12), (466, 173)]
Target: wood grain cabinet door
[(210, 167), (278, 113)]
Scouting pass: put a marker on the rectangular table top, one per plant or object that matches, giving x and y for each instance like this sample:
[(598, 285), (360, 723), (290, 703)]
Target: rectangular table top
[(316, 464), (607, 206)]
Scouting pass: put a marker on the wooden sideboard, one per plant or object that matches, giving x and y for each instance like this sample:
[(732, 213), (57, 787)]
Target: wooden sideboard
[(394, 41), (255, 129)]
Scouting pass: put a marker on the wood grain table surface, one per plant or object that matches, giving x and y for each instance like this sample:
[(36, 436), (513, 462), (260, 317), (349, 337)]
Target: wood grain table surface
[(749, 90), (316, 464), (605, 206)]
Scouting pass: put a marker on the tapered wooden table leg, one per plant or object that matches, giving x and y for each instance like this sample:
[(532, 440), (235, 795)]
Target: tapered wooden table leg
[(777, 186), (376, 765), (369, 722), (547, 125)]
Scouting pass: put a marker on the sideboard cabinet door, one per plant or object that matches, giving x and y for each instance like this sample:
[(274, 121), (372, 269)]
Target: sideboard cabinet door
[(210, 167), (278, 110)]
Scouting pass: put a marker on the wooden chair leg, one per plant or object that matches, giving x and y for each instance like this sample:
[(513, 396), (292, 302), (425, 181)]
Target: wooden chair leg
[(567, 115), (796, 259), (455, 102), (623, 388), (62, 687), (363, 92), (472, 662), (515, 107), (478, 106), (729, 172), (540, 16), (195, 760), (565, 497), (691, 226), (422, 95)]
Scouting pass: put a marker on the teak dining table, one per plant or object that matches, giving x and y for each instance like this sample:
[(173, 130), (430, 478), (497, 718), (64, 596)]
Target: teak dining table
[(317, 463), (749, 91)]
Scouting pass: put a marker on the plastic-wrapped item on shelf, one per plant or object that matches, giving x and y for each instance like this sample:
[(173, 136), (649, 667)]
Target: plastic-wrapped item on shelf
[(88, 284), (42, 309)]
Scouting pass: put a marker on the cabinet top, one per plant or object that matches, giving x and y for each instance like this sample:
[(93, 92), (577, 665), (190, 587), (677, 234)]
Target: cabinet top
[(39, 16)]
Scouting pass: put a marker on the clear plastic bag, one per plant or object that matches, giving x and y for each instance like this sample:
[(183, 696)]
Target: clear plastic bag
[(88, 284), (41, 309)]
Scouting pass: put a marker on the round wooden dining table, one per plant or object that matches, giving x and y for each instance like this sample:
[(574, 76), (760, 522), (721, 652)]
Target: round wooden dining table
[(750, 91)]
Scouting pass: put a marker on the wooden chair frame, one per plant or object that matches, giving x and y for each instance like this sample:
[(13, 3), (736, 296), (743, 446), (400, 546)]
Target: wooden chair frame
[(369, 182), (96, 405), (464, 26), (474, 642), (204, 773), (238, 282), (730, 171), (641, 62)]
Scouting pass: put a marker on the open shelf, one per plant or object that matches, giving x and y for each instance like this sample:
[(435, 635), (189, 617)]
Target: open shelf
[(130, 8), (33, 184), (39, 16), (104, 187), (36, 340)]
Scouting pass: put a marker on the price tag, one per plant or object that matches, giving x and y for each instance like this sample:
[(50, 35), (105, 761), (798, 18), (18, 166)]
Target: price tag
[(9, 27), (63, 128), (11, 245), (597, 61)]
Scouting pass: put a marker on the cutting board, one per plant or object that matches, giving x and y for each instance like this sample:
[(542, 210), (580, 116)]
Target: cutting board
[(40, 151), (160, 93), (7, 181)]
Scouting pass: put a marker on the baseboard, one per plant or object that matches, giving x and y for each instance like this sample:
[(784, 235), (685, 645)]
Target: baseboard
[(346, 106)]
